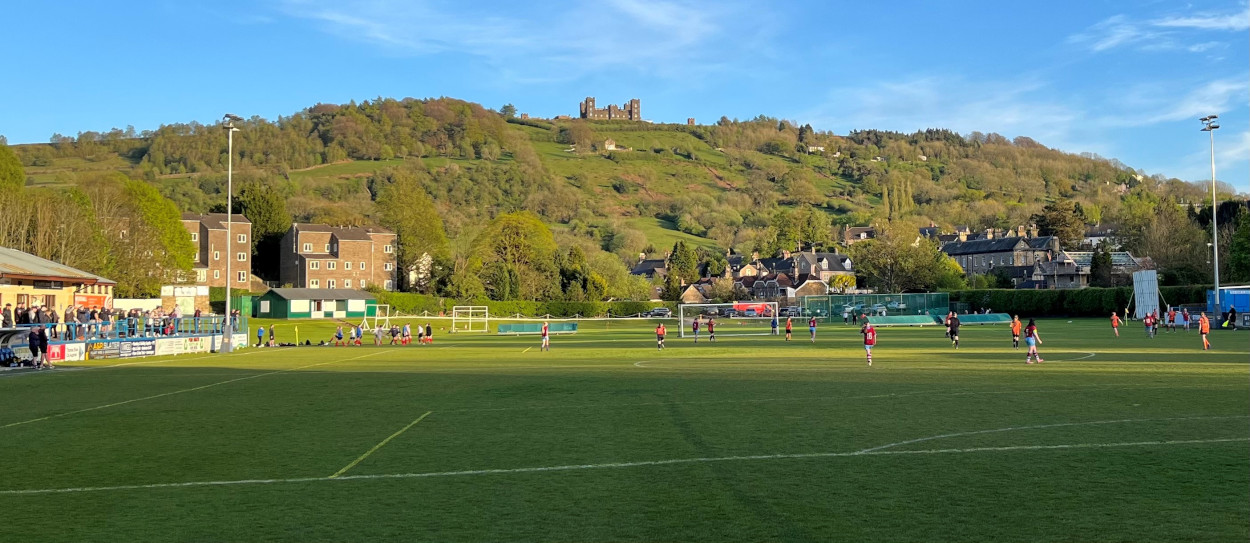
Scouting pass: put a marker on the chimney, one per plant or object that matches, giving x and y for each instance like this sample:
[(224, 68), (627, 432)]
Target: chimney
[(989, 233), (963, 235)]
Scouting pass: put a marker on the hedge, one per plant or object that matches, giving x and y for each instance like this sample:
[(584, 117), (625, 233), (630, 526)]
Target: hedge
[(1087, 302), (411, 304)]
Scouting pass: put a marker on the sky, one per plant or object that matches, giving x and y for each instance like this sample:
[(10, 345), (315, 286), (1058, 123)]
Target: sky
[(1123, 79)]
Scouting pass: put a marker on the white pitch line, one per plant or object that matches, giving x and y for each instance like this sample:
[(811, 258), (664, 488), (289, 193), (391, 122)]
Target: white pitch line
[(616, 465), (1041, 426), (171, 393)]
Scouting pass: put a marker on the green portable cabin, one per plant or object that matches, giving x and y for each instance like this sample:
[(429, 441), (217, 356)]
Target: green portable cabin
[(314, 303)]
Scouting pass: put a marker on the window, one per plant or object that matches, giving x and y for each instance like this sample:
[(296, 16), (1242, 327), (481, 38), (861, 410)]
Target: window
[(264, 306), (362, 264), (347, 283), (314, 284), (216, 274), (201, 275), (388, 249), (390, 285), (307, 247), (327, 247), (242, 238), (242, 277), (330, 264), (195, 257), (242, 257), (216, 255), (314, 264), (347, 264), (331, 284), (387, 266), (195, 236)]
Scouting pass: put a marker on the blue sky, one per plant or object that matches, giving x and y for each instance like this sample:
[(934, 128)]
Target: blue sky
[(1122, 79)]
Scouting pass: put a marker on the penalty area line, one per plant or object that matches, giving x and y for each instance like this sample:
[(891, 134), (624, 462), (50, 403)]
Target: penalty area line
[(621, 465), (379, 446)]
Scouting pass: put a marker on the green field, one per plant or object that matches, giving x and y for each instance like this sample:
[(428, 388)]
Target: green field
[(607, 439)]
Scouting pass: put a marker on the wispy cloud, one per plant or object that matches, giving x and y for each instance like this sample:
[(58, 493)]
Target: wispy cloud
[(663, 37), (1169, 33), (1148, 104)]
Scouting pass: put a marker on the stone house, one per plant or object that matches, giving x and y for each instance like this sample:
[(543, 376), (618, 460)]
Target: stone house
[(321, 256), (985, 255)]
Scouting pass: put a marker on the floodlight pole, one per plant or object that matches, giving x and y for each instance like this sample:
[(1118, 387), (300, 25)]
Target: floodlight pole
[(1210, 127), (227, 329)]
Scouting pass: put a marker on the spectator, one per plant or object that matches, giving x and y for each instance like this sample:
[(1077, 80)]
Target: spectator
[(6, 316), (20, 314), (55, 319), (83, 317), (43, 349)]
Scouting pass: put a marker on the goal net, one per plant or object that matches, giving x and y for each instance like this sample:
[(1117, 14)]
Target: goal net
[(376, 315), (470, 318), (734, 319)]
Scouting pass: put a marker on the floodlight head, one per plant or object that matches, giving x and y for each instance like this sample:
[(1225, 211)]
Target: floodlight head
[(232, 117), (1213, 117), (1205, 119), (1214, 126)]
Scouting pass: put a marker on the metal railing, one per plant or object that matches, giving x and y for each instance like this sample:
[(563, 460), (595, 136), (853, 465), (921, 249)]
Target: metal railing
[(137, 327)]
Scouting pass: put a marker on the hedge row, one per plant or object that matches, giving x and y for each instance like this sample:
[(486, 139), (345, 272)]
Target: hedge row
[(1087, 302), (412, 304)]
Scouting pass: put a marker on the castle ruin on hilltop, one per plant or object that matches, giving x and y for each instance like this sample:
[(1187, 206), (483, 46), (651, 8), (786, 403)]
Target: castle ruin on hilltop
[(630, 111)]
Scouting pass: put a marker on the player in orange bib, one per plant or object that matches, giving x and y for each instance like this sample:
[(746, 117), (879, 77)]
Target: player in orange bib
[(1171, 320), (1204, 328), (1015, 332), (1115, 323), (659, 337)]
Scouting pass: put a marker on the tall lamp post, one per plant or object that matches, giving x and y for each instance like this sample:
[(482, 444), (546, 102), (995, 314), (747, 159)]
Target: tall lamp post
[(227, 339), (1210, 126)]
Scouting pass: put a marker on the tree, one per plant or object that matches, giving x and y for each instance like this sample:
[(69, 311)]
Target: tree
[(410, 213), (1100, 268), (1061, 220), (12, 176), (841, 283), (895, 261), (1239, 249), (508, 111), (264, 205), (521, 251), (683, 264)]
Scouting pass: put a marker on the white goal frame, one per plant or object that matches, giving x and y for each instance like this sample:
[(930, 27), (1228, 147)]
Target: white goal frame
[(381, 315), (470, 318), (727, 326)]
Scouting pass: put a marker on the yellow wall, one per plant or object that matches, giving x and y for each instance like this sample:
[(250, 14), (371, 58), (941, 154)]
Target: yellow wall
[(24, 291)]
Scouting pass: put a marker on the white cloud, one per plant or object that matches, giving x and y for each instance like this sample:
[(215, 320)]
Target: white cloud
[(533, 43), (1150, 104), (1208, 21), (1162, 34)]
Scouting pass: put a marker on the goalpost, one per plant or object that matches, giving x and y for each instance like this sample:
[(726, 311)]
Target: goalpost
[(380, 315), (733, 319), (470, 318)]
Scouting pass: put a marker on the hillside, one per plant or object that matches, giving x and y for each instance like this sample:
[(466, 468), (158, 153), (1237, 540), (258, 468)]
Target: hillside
[(761, 184)]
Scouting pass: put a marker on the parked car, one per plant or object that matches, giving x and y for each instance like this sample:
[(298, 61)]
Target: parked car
[(788, 312), (661, 312), (897, 306), (728, 312), (877, 309), (752, 313)]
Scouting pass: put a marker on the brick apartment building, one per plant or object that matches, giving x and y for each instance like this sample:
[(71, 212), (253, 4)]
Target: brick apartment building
[(322, 256), (212, 249)]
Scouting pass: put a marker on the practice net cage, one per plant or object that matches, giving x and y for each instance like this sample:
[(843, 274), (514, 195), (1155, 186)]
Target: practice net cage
[(832, 307), (376, 315), (732, 319), (470, 318)]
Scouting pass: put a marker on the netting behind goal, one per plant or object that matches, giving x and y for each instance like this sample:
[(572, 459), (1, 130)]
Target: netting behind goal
[(470, 318), (831, 307), (735, 319)]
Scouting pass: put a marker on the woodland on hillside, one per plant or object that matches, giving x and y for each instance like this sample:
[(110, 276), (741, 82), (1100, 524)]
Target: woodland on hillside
[(453, 178)]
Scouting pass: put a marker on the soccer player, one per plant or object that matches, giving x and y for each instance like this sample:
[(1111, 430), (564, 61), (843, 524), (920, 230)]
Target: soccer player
[(1204, 328), (695, 327), (949, 316), (420, 335), (358, 332), (870, 339), (1155, 322), (1032, 339), (711, 329), (377, 334), (260, 336), (1015, 332), (338, 336), (954, 327), (659, 337), (774, 325), (811, 327), (1115, 324), (394, 333), (1171, 319), (1185, 317), (1148, 322), (546, 346), (429, 334), (789, 327), (406, 335), (272, 343)]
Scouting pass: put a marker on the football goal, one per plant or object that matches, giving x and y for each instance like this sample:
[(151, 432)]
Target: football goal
[(470, 318), (376, 315), (734, 319)]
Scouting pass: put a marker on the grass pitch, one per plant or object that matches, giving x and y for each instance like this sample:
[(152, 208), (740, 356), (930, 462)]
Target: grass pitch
[(480, 437)]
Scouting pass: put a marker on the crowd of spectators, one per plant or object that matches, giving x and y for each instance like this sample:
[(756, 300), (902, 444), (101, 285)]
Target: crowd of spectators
[(81, 322)]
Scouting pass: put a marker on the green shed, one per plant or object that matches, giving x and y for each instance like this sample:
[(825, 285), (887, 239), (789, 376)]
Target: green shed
[(314, 303)]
